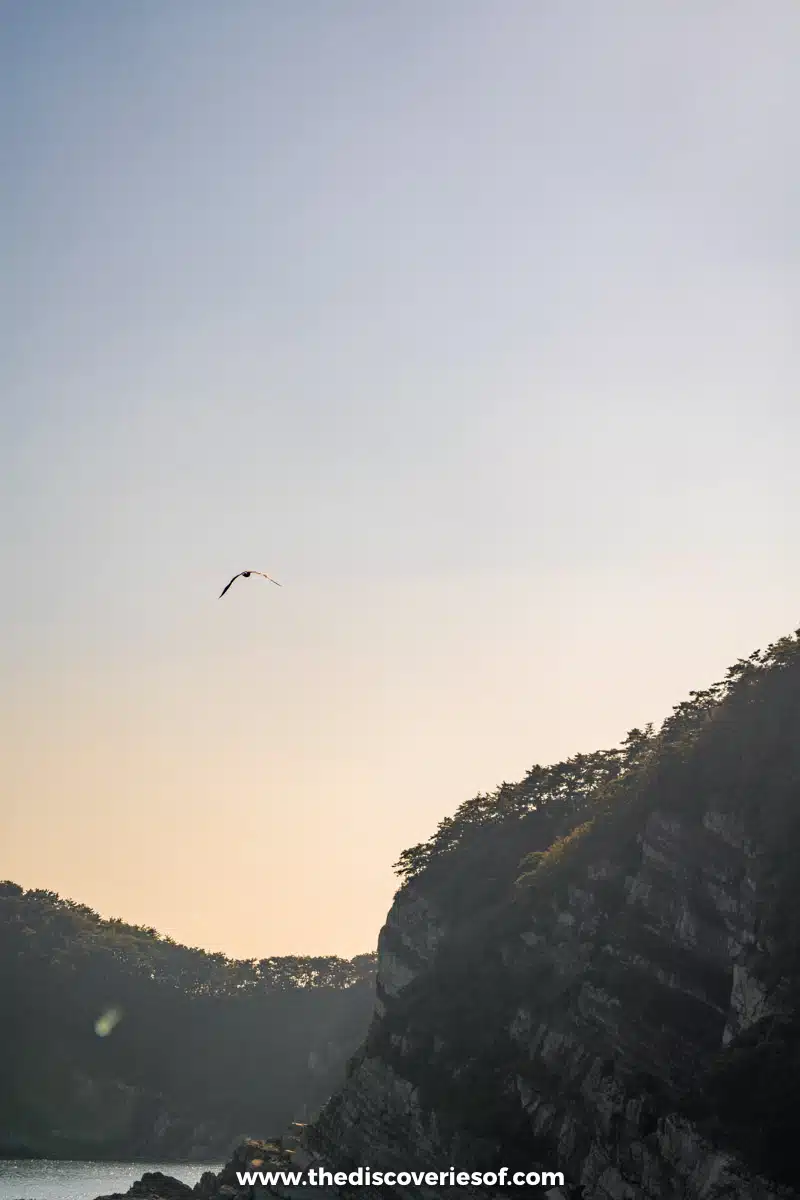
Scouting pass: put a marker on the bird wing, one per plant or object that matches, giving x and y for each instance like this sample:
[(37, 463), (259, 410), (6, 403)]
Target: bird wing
[(227, 585), (269, 577)]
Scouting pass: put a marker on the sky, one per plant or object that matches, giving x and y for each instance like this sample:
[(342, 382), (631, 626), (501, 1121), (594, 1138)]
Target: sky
[(474, 324)]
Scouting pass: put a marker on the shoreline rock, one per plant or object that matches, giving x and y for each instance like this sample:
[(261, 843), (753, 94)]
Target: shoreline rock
[(249, 1155)]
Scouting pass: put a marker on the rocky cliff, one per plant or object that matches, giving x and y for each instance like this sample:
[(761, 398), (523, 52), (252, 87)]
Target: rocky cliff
[(597, 970)]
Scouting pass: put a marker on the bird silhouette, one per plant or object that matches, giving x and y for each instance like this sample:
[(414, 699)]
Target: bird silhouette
[(246, 575)]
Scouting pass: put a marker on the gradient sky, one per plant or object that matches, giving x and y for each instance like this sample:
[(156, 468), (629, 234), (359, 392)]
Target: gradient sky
[(474, 323)]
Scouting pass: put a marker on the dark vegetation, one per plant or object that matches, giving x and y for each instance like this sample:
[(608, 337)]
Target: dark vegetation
[(730, 740), (223, 1046), (734, 747)]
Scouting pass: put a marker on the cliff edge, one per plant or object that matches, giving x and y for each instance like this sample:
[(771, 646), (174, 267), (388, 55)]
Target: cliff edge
[(597, 970)]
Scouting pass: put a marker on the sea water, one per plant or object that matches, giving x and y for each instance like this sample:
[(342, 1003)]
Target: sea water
[(56, 1179)]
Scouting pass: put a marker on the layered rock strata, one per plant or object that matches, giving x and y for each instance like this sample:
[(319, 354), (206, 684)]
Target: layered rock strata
[(601, 1003)]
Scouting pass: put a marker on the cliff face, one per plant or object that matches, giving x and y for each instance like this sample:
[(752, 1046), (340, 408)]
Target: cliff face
[(621, 1011)]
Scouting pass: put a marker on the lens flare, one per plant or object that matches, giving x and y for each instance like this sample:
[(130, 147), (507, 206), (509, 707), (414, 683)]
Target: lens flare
[(107, 1021)]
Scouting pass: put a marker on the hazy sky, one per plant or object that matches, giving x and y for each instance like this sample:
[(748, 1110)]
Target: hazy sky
[(474, 323)]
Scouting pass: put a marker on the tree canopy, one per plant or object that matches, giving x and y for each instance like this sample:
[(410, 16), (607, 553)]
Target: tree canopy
[(240, 1045)]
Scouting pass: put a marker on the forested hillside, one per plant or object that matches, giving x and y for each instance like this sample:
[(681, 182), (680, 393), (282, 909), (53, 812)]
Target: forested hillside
[(598, 967), (118, 1041)]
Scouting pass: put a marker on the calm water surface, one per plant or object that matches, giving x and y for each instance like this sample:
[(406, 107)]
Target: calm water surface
[(54, 1179)]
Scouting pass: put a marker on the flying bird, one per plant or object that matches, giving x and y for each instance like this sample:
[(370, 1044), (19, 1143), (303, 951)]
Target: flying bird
[(246, 575)]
